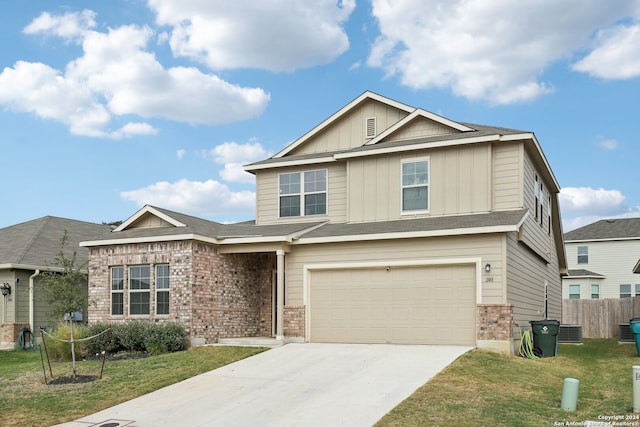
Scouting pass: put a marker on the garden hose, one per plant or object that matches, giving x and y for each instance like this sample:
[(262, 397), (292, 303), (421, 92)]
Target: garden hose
[(526, 345)]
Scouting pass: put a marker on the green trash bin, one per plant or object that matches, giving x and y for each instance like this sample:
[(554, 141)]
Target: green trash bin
[(634, 325), (545, 336)]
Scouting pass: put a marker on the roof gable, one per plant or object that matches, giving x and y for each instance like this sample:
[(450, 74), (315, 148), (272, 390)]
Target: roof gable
[(607, 229), (149, 217)]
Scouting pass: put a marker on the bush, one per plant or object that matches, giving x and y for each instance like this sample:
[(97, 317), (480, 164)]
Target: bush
[(61, 351), (137, 336)]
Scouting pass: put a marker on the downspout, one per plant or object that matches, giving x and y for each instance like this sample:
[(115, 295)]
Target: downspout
[(31, 315)]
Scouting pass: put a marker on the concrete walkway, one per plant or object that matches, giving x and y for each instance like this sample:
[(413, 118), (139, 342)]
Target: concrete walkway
[(293, 385)]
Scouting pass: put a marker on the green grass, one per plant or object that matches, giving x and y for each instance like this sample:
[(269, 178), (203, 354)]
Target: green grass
[(25, 399), (488, 389)]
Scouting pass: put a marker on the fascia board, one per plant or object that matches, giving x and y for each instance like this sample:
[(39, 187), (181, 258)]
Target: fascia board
[(286, 163), (150, 239), (406, 235), (611, 239), (30, 267), (586, 276), (340, 113), (419, 112), (148, 209)]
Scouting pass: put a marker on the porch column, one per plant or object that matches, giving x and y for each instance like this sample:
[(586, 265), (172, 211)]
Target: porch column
[(280, 293)]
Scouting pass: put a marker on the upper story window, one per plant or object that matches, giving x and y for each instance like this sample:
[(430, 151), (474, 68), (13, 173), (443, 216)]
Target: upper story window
[(625, 291), (139, 289), (117, 291), (549, 215), (303, 193), (574, 291), (415, 185), (536, 189), (583, 254)]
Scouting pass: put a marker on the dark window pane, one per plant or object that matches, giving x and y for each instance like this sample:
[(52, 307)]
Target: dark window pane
[(139, 303), (315, 204), (414, 198), (117, 303), (289, 206), (162, 302)]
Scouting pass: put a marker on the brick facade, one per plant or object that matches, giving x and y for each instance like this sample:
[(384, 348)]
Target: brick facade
[(213, 295), (293, 319), (495, 322), (9, 331)]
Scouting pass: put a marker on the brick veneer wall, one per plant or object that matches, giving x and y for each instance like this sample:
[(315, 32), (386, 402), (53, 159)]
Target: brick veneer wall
[(293, 320), (495, 322), (213, 295), (9, 331)]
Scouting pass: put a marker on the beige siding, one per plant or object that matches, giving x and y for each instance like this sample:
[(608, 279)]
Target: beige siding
[(526, 275), (349, 131), (149, 220), (267, 197), (535, 231), (459, 183), (489, 248), (507, 176), (419, 128)]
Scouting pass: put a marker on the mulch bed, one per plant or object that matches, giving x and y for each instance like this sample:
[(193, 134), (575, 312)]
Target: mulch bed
[(79, 379)]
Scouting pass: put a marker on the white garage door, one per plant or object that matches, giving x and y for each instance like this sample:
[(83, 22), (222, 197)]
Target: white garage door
[(403, 305)]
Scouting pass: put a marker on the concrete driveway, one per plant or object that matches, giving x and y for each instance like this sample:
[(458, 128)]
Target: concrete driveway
[(293, 385)]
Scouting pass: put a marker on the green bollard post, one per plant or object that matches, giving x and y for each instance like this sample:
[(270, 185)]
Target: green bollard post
[(570, 394)]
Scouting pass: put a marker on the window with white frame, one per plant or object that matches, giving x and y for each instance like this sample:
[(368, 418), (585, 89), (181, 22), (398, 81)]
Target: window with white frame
[(625, 291), (549, 215), (595, 291), (162, 289), (541, 198), (139, 289), (303, 193), (637, 290), (583, 254), (574, 291), (415, 185), (117, 291), (536, 196)]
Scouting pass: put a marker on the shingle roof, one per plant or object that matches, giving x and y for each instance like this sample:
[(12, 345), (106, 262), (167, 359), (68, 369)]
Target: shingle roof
[(583, 273), (35, 243), (606, 229), (433, 224)]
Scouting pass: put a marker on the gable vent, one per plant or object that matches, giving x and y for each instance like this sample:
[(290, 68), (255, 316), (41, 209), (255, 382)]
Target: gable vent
[(370, 127)]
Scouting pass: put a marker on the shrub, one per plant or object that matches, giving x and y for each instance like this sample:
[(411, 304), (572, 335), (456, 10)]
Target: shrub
[(137, 336), (61, 351)]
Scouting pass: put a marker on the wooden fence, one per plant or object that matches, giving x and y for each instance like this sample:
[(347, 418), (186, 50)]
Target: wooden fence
[(600, 318)]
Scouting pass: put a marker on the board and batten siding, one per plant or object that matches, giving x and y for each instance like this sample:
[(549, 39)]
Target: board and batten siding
[(420, 127), (459, 183), (268, 202), (487, 247), (349, 131), (507, 176), (526, 275)]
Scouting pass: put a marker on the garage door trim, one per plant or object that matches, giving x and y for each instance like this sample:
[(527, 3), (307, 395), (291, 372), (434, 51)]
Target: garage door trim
[(381, 264)]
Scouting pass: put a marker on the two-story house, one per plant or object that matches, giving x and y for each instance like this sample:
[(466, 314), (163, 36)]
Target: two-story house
[(601, 258), (384, 224)]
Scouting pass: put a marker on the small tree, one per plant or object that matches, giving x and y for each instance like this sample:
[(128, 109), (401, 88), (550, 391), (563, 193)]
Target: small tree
[(65, 287)]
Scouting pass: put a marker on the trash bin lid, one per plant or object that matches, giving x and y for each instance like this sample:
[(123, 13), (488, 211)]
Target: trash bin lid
[(548, 322), (635, 319)]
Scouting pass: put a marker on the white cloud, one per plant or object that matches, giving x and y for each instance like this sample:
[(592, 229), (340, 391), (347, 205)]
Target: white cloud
[(209, 198), (608, 144), (616, 55), (117, 75), (274, 35), (233, 156), (70, 26), (590, 201), (484, 49), (181, 153)]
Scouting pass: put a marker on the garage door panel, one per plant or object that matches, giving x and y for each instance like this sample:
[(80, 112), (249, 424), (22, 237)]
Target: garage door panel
[(422, 305)]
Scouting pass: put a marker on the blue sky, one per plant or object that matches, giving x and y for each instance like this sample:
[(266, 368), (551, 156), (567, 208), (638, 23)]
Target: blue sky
[(107, 106)]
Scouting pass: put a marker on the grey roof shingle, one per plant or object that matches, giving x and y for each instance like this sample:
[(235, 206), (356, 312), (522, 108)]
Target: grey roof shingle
[(582, 273), (36, 242), (443, 223), (606, 229)]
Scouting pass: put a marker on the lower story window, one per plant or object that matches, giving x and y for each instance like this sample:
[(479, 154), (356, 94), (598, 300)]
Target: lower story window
[(574, 291), (625, 291), (139, 289), (595, 291), (117, 291), (162, 289)]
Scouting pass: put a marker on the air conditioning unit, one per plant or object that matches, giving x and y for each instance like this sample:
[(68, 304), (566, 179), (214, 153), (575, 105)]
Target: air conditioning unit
[(625, 333), (570, 334)]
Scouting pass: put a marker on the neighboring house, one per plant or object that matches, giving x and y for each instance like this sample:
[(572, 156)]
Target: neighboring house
[(601, 258), (384, 224), (26, 250)]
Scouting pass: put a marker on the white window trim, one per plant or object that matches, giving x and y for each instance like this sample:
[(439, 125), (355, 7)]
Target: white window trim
[(579, 291), (302, 193), (420, 211)]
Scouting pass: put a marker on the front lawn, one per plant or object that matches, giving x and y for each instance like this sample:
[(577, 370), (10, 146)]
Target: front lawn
[(25, 399), (487, 389)]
